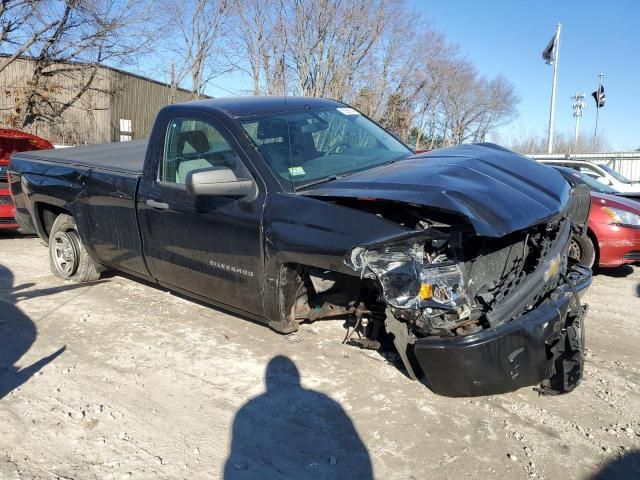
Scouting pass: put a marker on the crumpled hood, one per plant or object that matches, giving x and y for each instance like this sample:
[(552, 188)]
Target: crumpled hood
[(496, 190)]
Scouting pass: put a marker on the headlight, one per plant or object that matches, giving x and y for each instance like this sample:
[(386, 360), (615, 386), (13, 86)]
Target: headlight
[(441, 286), (622, 217), (407, 281)]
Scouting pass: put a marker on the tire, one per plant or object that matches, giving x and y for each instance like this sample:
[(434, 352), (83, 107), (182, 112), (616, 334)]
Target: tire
[(68, 259), (582, 250)]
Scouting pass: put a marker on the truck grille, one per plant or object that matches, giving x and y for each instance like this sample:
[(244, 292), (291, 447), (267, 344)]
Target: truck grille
[(501, 274)]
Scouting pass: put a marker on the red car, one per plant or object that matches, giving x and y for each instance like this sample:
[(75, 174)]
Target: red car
[(12, 141), (613, 237)]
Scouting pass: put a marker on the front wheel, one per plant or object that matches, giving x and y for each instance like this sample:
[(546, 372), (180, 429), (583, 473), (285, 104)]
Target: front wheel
[(68, 258), (581, 249)]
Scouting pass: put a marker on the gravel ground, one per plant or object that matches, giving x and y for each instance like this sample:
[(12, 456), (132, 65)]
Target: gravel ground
[(120, 379)]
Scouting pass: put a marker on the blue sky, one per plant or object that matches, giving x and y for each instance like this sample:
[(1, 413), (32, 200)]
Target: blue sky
[(507, 37)]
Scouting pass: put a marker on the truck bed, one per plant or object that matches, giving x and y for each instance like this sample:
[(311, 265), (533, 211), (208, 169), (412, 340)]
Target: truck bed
[(123, 157)]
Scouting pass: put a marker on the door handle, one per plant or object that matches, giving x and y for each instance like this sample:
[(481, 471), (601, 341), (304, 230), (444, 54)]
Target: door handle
[(158, 205)]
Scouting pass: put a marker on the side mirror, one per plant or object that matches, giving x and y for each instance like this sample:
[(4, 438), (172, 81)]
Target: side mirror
[(217, 181), (604, 180)]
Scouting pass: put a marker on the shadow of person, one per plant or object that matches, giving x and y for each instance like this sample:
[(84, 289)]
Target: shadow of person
[(291, 432), (626, 467), (17, 334)]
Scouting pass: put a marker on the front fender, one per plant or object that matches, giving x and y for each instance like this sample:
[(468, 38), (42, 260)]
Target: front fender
[(307, 231)]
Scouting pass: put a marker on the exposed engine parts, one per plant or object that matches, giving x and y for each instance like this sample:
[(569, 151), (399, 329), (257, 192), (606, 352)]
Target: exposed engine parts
[(446, 283), (439, 281)]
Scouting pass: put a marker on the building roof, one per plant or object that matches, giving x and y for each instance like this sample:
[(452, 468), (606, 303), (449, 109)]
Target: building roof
[(106, 67), (260, 105)]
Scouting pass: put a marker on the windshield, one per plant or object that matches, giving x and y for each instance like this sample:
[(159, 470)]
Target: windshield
[(575, 177), (614, 174), (310, 146)]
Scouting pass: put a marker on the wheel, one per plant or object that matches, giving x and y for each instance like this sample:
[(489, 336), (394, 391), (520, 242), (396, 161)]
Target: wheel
[(581, 249), (68, 258)]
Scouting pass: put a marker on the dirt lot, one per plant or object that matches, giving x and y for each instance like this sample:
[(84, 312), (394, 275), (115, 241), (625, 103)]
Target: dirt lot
[(123, 380)]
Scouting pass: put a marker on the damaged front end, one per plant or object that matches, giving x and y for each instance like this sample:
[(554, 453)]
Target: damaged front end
[(478, 315), (460, 257)]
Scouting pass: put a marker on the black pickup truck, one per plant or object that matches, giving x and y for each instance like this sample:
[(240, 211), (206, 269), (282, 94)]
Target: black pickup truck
[(290, 210)]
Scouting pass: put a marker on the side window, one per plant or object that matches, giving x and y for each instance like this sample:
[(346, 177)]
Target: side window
[(192, 144)]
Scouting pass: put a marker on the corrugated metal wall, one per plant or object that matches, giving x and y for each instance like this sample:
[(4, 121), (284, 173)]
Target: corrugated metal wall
[(138, 100), (95, 117), (86, 121)]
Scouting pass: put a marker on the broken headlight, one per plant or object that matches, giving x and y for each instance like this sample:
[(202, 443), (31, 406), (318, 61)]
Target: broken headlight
[(441, 286), (409, 278)]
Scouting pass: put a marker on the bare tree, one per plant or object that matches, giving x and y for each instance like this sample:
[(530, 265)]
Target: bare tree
[(84, 34), (563, 143), (194, 40), (361, 52), (500, 107), (330, 42), (22, 23), (259, 44)]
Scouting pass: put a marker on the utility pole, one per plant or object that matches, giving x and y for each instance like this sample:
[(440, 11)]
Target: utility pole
[(595, 133), (556, 60), (578, 105)]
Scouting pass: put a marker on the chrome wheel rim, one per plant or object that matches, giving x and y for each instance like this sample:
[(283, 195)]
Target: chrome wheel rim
[(65, 253), (575, 251)]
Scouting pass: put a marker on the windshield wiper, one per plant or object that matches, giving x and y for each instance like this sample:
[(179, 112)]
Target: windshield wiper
[(329, 178), (318, 182)]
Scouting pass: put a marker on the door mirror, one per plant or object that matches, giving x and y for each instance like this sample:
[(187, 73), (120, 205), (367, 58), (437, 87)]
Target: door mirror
[(604, 180), (217, 181)]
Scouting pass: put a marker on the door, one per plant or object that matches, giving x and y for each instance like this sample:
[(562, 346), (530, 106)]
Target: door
[(208, 245)]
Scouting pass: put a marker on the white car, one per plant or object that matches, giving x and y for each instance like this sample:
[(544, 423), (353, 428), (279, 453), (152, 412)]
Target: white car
[(601, 172)]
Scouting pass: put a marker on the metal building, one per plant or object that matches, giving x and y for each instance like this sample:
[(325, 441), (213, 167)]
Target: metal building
[(117, 105)]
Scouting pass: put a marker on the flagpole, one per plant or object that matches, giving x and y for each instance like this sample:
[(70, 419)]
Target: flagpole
[(595, 134), (553, 89)]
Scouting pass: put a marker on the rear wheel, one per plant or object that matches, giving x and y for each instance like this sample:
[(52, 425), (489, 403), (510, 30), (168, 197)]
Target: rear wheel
[(581, 249), (68, 258)]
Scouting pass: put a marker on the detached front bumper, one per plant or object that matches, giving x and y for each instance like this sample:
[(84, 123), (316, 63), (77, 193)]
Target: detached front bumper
[(525, 351)]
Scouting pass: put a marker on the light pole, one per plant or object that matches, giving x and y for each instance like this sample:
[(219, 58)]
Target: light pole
[(578, 104)]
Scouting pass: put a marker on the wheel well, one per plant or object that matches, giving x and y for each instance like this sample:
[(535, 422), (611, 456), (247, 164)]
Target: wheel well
[(47, 214)]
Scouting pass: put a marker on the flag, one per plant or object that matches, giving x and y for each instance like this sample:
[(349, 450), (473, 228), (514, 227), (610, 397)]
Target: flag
[(599, 97), (549, 53)]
